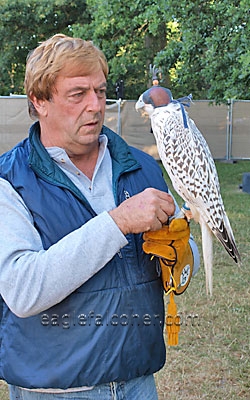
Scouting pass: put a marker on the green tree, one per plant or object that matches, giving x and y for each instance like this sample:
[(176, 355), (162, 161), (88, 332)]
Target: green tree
[(130, 34), (207, 52), (201, 47), (227, 66), (23, 24)]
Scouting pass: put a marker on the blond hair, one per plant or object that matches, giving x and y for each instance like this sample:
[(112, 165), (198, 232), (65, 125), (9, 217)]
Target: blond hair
[(59, 52)]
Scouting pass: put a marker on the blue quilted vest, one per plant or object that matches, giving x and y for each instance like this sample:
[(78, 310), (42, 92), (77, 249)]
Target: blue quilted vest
[(110, 328)]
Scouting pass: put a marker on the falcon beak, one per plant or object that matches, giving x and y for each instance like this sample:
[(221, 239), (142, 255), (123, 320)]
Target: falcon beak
[(139, 104)]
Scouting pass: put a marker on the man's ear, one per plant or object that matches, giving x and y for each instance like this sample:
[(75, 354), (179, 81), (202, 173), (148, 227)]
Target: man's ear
[(40, 105)]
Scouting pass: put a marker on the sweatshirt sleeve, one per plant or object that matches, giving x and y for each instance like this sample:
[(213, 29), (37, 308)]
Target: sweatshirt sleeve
[(32, 279)]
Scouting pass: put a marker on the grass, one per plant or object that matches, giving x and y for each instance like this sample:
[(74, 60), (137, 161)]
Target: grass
[(212, 359)]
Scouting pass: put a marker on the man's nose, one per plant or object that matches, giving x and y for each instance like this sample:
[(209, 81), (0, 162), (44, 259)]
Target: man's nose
[(94, 102)]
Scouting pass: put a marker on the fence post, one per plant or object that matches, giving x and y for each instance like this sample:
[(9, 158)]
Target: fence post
[(229, 129), (119, 125)]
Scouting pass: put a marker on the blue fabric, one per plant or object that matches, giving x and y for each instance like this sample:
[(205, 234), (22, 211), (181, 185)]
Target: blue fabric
[(111, 328), (137, 389)]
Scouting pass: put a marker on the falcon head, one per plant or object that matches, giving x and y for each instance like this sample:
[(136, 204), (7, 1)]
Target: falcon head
[(156, 96)]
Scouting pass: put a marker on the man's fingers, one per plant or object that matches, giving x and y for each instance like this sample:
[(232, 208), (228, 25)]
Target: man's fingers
[(145, 211)]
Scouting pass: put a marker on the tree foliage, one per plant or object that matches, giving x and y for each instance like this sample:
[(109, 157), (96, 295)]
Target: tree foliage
[(209, 52), (201, 47), (129, 34), (23, 24)]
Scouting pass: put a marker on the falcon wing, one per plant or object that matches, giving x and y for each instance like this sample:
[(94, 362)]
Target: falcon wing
[(190, 166)]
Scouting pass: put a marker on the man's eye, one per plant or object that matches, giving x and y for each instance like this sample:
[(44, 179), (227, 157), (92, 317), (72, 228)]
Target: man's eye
[(101, 92), (79, 94), (76, 97)]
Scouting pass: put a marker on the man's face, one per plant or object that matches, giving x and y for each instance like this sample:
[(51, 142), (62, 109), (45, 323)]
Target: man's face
[(73, 118)]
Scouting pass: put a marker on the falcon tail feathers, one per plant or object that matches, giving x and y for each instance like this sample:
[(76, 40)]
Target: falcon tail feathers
[(227, 240), (207, 248)]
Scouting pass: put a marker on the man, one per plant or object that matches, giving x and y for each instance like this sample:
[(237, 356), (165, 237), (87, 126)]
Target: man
[(82, 302)]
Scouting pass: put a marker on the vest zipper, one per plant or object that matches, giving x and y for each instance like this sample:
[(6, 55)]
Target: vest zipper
[(119, 254), (127, 196)]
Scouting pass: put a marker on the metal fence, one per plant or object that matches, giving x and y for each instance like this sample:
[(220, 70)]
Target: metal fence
[(226, 128)]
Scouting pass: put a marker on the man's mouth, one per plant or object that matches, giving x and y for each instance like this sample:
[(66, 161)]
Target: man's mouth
[(91, 123)]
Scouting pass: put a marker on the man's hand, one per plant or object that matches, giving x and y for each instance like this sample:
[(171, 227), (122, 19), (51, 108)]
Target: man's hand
[(146, 211)]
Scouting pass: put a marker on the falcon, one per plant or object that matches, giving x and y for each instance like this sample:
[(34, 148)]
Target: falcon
[(188, 161)]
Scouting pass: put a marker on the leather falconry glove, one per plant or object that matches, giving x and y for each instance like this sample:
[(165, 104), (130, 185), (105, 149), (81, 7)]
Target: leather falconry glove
[(170, 244)]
